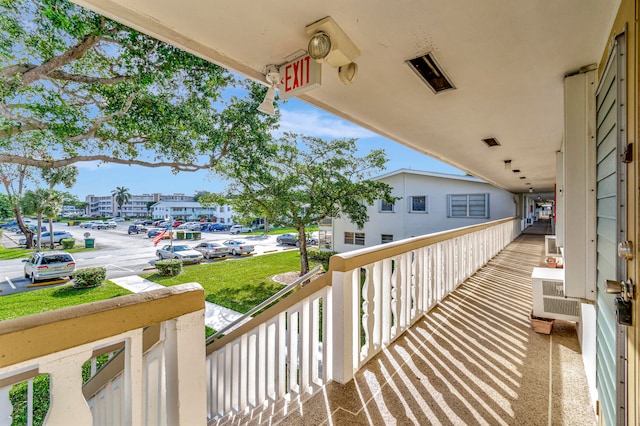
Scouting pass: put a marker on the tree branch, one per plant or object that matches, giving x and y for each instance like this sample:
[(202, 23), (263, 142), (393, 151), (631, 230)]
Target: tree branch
[(61, 75), (100, 121), (28, 161)]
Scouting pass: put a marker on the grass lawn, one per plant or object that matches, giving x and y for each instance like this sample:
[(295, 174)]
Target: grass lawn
[(48, 299), (239, 284), (279, 231), (20, 252)]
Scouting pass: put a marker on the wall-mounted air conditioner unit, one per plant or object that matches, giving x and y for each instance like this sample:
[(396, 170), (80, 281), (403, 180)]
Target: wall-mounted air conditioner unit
[(550, 247), (549, 300)]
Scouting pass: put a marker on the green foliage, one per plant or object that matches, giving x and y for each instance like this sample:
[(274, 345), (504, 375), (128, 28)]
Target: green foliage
[(5, 206), (68, 243), (305, 179), (239, 285), (169, 267), (323, 257), (18, 397), (89, 277), (122, 196), (76, 86)]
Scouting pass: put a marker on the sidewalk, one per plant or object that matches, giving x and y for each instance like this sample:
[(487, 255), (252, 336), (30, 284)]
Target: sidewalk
[(215, 316)]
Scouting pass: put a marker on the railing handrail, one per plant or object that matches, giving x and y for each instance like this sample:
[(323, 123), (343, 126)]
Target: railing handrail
[(314, 286), (26, 338), (343, 262), (297, 283), (353, 259)]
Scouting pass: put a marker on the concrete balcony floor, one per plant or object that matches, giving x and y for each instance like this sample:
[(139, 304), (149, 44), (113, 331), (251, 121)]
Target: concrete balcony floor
[(472, 360)]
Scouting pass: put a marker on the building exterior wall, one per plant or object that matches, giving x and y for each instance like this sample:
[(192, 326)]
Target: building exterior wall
[(105, 205), (191, 210), (404, 222)]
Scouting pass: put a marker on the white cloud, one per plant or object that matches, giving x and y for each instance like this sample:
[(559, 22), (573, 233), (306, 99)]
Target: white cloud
[(318, 124)]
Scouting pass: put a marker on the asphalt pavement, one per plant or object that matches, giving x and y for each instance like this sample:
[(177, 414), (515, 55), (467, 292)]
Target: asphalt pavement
[(122, 254)]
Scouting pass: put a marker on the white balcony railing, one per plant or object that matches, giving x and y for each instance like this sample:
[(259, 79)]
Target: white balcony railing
[(326, 330), (330, 328), (161, 376)]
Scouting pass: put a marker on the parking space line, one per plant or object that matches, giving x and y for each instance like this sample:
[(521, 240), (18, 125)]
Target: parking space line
[(120, 267), (10, 283)]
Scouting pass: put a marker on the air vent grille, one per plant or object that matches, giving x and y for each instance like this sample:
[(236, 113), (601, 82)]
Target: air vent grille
[(491, 142), (570, 307), (431, 73)]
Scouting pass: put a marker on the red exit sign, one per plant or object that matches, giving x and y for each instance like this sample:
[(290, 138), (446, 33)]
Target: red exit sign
[(299, 76)]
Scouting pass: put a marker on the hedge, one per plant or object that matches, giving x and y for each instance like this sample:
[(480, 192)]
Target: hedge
[(169, 267), (68, 243), (89, 277)]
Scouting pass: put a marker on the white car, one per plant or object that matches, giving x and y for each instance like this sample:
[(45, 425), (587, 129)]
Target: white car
[(239, 247), (236, 229), (104, 225), (48, 265), (212, 250), (181, 252)]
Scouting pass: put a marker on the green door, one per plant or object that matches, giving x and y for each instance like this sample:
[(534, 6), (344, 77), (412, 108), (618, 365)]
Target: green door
[(611, 221)]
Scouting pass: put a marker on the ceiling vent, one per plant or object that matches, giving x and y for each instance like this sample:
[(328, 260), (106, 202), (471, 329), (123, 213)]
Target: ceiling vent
[(431, 73), (516, 170), (491, 142)]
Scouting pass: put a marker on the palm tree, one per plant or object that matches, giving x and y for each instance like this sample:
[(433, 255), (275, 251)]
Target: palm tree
[(38, 202), (65, 175), (121, 195)]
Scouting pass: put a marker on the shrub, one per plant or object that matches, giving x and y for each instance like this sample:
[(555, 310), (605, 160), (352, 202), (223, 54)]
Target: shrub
[(89, 277), (169, 267), (67, 243), (321, 256)]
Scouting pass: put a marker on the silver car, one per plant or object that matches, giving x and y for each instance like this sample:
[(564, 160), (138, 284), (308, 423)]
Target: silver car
[(210, 250), (49, 265), (239, 247), (181, 252)]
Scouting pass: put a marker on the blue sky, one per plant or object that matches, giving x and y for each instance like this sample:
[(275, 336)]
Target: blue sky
[(297, 116)]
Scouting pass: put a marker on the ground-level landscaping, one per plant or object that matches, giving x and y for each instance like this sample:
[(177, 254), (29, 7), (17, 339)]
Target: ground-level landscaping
[(239, 284)]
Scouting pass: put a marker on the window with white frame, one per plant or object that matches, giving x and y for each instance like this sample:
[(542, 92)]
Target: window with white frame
[(386, 207), (356, 238), (468, 205), (418, 204), (386, 238)]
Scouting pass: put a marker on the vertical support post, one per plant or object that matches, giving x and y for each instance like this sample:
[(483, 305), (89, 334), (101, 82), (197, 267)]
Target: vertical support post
[(6, 408), (342, 326), (185, 366), (67, 406)]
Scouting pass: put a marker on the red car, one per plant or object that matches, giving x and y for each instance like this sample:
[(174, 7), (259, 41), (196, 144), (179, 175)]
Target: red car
[(177, 223)]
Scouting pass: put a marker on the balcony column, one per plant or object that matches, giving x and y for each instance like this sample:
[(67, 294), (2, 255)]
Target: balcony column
[(186, 370), (344, 325), (68, 405), (6, 408)]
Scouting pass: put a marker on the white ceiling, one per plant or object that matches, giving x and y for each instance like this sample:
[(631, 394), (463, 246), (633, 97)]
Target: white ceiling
[(507, 59)]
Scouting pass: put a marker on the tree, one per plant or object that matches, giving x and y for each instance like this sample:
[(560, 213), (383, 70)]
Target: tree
[(122, 196), (5, 206), (307, 179), (42, 202), (149, 205), (76, 86), (65, 175), (13, 178)]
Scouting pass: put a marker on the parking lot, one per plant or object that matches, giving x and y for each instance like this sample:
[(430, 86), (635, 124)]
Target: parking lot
[(120, 253)]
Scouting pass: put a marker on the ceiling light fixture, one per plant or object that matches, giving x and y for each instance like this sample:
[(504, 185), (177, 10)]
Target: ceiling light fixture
[(329, 43), (319, 46), (273, 78), (507, 164)]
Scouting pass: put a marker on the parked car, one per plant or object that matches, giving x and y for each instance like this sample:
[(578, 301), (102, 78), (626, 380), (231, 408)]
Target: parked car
[(182, 252), (211, 250), (289, 239), (155, 231), (9, 224), (104, 225), (190, 226), (48, 265), (57, 237), (33, 228), (87, 224), (164, 224), (236, 229), (204, 226), (136, 229), (217, 227), (314, 239), (239, 247), (115, 219)]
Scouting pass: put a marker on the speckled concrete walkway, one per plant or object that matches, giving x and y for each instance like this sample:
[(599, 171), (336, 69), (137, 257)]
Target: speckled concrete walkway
[(215, 316), (472, 360)]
